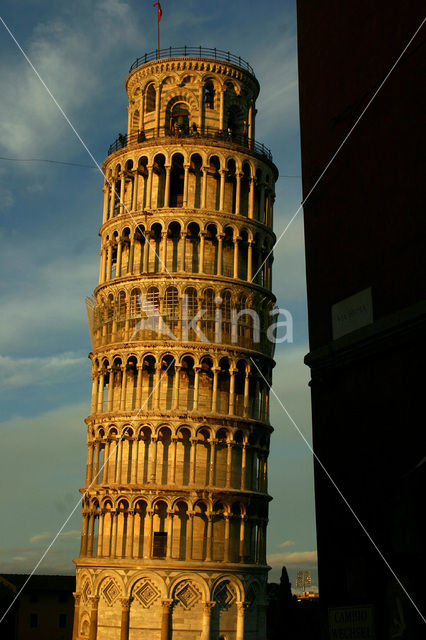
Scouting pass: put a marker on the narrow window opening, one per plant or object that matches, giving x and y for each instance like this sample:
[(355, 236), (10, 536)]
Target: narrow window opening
[(160, 544)]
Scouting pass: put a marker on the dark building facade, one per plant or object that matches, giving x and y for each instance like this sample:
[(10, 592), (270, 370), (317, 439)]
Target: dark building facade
[(364, 231), (44, 610)]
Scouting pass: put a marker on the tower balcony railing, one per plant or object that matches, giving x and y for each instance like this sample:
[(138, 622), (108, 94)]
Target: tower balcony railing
[(189, 135), (192, 52)]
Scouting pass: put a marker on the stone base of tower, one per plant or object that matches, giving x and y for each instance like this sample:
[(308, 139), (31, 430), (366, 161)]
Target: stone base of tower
[(156, 603)]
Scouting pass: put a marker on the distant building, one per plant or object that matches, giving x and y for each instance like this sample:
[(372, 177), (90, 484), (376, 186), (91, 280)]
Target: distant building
[(365, 235), (44, 610), (303, 580)]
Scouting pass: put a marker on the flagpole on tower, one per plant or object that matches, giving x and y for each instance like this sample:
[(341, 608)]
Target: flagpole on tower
[(159, 14)]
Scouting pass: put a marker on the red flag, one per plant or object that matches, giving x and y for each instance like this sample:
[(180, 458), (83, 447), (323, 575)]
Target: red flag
[(160, 11)]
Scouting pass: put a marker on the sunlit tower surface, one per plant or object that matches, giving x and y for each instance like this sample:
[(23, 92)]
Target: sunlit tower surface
[(175, 503)]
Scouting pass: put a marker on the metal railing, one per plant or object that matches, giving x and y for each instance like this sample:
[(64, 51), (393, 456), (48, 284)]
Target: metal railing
[(182, 135), (192, 52)]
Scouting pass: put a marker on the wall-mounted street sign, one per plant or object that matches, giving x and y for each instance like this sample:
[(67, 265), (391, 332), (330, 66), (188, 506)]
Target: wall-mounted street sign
[(351, 623), (352, 313)]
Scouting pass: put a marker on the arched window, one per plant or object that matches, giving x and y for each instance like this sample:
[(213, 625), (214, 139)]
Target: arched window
[(150, 99), (171, 308), (208, 319), (179, 119), (209, 95)]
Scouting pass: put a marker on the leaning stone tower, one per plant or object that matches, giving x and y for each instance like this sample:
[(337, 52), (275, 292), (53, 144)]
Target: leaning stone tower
[(175, 503)]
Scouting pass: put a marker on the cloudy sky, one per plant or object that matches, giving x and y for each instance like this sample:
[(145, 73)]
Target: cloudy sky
[(50, 217)]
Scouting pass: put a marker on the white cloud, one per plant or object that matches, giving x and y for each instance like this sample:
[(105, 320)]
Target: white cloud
[(20, 372), (304, 559), (50, 302), (287, 543), (69, 51), (64, 535)]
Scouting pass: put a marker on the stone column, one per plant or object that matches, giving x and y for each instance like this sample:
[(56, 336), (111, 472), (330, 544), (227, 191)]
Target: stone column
[(228, 464), (156, 386), (100, 534), (123, 387), (222, 189), (146, 252), (170, 515), (236, 252), (125, 618), (227, 540), (219, 253), (231, 407), (119, 257), (93, 625), (105, 208), (246, 395), (113, 541), (238, 176), (139, 387), (109, 261), (242, 538), (250, 261), (212, 461), (119, 445), (189, 535), (221, 107), (130, 533), (173, 460), (193, 460), (111, 389), (134, 459), (131, 254), (175, 399), (185, 185), (149, 187), (76, 622), (111, 198), (89, 466), (102, 265), (153, 470), (84, 529), (251, 125), (181, 252), (94, 479), (243, 467), (207, 614), (157, 110), (167, 186), (95, 385), (147, 547), (91, 534), (196, 387), (251, 198), (122, 185), (209, 537), (135, 190), (163, 256), (101, 393), (204, 188), (214, 393), (241, 606), (106, 462), (165, 619), (201, 257)]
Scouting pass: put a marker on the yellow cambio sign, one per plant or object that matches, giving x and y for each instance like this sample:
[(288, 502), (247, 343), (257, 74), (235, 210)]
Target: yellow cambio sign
[(351, 623)]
